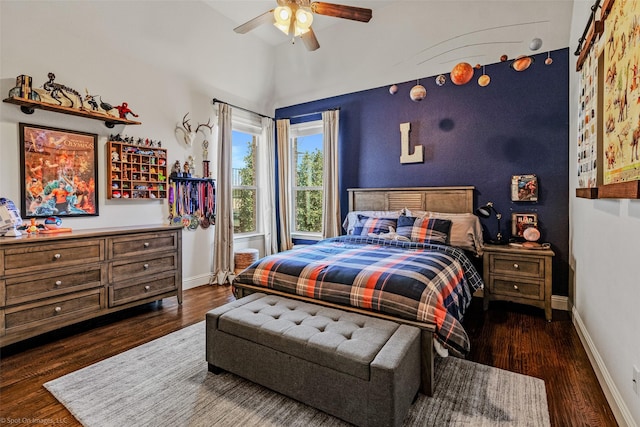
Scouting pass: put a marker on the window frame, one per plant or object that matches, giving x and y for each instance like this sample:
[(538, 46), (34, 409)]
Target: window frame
[(245, 123), (313, 127)]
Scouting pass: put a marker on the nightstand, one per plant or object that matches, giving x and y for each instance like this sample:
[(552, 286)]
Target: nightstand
[(518, 275)]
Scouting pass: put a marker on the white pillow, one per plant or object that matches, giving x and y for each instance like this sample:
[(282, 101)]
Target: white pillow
[(352, 218), (466, 230)]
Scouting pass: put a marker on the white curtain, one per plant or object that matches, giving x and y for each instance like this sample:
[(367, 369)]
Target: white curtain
[(331, 202), (223, 239), (267, 174), (284, 179)]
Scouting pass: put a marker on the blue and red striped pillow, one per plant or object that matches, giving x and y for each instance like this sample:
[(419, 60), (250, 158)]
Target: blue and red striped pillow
[(424, 230), (366, 225)]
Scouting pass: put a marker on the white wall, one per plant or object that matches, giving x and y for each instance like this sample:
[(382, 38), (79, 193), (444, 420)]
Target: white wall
[(164, 58), (604, 254)]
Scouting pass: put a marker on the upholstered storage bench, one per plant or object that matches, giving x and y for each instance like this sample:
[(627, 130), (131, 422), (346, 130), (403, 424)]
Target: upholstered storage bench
[(358, 368)]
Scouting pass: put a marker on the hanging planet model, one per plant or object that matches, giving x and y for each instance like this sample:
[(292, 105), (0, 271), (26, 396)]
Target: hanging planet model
[(418, 93), (461, 74)]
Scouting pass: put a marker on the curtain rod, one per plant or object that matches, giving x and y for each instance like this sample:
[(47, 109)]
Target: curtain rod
[(241, 108), (297, 116), (594, 8)]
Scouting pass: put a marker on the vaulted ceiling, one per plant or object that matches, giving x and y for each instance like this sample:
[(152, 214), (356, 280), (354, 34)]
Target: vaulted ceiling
[(404, 40)]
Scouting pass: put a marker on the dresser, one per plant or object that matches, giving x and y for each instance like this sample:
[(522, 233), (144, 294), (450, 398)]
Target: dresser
[(518, 275), (48, 281)]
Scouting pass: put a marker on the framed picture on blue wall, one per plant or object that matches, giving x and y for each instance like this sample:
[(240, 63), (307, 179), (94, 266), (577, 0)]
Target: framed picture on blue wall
[(524, 188)]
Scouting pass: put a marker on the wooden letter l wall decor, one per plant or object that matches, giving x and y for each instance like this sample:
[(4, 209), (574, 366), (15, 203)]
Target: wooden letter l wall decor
[(417, 156)]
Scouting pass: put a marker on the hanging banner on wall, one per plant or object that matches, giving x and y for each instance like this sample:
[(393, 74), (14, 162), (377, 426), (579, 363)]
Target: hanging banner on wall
[(587, 129), (621, 94)]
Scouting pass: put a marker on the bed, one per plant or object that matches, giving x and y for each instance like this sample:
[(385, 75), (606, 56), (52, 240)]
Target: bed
[(401, 259)]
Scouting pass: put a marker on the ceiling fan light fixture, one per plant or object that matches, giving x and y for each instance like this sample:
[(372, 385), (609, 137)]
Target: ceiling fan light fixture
[(304, 18), (282, 15)]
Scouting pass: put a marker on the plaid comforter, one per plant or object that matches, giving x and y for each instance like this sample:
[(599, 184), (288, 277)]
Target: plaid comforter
[(424, 282)]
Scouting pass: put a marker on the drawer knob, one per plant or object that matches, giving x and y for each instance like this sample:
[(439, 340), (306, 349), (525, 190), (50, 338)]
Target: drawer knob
[(58, 309), (146, 288), (516, 266), (146, 244), (56, 256), (58, 282), (145, 266), (515, 287)]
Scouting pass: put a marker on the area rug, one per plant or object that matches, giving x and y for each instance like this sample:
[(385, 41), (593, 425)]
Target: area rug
[(166, 383)]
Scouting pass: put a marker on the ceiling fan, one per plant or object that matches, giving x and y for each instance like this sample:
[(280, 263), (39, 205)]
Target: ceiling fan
[(294, 17)]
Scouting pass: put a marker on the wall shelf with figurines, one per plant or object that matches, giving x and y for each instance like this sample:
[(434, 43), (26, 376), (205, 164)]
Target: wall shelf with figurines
[(60, 98), (136, 169)]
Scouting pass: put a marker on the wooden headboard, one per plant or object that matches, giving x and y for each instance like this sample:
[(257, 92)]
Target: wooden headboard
[(438, 199)]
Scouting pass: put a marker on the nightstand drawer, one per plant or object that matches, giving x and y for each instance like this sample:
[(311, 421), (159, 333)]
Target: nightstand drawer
[(517, 266), (517, 288)]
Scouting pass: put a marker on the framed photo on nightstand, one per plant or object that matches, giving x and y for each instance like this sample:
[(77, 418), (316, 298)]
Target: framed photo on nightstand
[(522, 221)]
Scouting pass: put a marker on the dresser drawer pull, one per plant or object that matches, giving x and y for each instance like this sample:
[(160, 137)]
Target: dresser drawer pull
[(57, 256), (57, 309), (516, 266), (146, 266), (58, 282), (515, 287), (146, 288), (146, 244)]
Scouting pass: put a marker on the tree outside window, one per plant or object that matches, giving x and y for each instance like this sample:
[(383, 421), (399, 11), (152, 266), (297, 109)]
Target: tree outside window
[(308, 191), (244, 185)]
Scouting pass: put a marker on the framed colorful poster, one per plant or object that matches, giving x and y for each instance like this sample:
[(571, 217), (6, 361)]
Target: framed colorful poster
[(524, 188), (58, 172)]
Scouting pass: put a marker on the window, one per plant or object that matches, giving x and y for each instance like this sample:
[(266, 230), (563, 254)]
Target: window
[(307, 158), (244, 187)]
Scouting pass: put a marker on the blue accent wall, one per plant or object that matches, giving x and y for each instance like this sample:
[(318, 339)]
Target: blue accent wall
[(472, 135)]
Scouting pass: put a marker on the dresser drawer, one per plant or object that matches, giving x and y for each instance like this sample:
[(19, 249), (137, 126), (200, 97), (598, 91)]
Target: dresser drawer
[(517, 288), (124, 292), (129, 268), (30, 258), (51, 312), (517, 266), (139, 244), (20, 289)]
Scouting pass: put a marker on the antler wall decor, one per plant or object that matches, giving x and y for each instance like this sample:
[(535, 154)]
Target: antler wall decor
[(189, 133)]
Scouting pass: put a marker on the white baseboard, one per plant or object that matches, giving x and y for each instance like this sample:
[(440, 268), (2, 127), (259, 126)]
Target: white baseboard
[(619, 408), (194, 282)]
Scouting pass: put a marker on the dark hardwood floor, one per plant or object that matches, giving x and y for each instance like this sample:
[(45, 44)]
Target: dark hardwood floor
[(508, 336)]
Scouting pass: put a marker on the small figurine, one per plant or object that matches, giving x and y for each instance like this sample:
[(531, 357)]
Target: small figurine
[(186, 168), (114, 156), (176, 168), (91, 100), (56, 90), (33, 227), (123, 110)]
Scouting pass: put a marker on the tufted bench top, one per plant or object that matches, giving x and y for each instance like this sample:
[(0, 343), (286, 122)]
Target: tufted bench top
[(346, 342)]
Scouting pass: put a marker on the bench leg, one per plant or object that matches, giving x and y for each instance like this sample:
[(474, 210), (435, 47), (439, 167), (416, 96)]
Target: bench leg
[(426, 363), (214, 369)]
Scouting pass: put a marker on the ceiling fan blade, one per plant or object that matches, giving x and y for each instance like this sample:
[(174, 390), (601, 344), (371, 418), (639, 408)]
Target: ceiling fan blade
[(310, 41), (265, 18), (340, 11)]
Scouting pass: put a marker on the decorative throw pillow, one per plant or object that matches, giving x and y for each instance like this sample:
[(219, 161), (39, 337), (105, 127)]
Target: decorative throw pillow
[(351, 220), (366, 225), (430, 230), (405, 225)]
